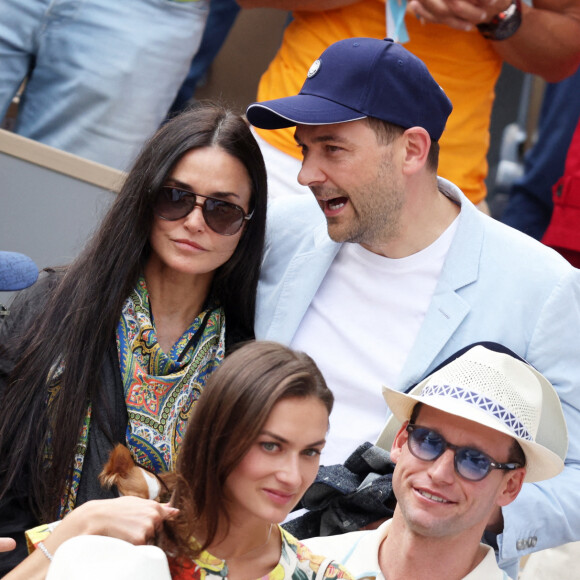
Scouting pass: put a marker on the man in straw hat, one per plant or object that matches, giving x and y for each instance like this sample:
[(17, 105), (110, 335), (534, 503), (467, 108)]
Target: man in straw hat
[(387, 269), (464, 440)]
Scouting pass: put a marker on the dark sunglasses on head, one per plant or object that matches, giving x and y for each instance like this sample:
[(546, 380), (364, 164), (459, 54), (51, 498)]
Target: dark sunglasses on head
[(221, 216), (470, 463)]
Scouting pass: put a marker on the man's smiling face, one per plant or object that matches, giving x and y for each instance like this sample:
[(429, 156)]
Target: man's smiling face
[(434, 500)]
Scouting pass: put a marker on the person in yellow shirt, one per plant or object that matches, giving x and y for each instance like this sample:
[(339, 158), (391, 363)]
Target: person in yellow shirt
[(461, 57)]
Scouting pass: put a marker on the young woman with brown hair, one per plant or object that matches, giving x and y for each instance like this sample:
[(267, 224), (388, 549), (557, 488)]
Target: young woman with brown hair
[(251, 449)]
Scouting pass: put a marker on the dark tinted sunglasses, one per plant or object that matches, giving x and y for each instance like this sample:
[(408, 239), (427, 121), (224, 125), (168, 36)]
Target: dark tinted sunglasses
[(470, 463), (221, 216)]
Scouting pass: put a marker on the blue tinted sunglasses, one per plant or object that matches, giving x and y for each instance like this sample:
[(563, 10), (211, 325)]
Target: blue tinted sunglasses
[(470, 463)]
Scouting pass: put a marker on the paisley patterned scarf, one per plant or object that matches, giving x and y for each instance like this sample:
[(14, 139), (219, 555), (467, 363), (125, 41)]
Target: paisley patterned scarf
[(161, 389)]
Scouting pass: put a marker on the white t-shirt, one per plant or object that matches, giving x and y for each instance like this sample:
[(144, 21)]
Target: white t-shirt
[(359, 329)]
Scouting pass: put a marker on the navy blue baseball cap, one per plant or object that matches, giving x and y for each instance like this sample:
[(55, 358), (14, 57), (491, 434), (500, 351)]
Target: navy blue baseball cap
[(17, 271), (357, 78)]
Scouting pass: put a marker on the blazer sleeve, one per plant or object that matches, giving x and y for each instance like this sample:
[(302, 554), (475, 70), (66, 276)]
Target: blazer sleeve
[(546, 514)]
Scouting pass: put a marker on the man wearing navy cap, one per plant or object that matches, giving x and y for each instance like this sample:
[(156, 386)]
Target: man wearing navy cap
[(399, 269)]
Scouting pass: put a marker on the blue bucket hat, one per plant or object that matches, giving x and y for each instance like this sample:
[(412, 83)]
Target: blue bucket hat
[(357, 78), (17, 271)]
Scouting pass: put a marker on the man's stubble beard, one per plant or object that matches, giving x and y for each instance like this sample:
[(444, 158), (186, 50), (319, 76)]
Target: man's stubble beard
[(377, 213)]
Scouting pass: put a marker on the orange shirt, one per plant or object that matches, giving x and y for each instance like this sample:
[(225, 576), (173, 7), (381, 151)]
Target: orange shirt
[(463, 63)]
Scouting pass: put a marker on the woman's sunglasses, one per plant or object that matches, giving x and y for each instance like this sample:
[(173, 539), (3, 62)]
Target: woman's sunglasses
[(470, 463), (221, 216)]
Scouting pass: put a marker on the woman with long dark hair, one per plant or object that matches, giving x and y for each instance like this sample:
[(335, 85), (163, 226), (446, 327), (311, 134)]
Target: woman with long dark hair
[(117, 346), (251, 449)]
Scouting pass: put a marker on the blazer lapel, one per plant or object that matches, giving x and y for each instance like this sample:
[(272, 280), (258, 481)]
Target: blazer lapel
[(304, 275), (448, 308)]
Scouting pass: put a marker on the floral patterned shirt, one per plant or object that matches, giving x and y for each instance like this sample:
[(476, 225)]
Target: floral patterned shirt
[(296, 562)]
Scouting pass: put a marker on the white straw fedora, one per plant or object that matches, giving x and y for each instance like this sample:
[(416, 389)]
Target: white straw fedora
[(498, 390), (101, 557)]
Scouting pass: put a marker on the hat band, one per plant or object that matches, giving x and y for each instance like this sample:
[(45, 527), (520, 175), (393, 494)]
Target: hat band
[(484, 403)]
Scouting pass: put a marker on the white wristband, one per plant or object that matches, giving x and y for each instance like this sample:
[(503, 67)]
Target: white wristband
[(44, 550)]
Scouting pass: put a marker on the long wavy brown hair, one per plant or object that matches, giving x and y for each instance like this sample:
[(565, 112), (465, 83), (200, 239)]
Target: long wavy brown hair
[(227, 420)]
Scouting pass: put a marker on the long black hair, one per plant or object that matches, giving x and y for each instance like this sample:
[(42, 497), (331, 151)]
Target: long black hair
[(78, 323)]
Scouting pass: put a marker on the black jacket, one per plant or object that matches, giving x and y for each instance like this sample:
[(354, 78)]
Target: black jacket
[(108, 423)]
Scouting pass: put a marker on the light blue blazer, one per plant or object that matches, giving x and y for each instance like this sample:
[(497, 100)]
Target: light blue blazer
[(497, 284)]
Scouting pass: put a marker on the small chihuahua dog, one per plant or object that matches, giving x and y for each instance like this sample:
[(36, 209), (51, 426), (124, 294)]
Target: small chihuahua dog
[(130, 479)]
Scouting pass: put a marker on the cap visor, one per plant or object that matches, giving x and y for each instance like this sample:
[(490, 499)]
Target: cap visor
[(299, 110)]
